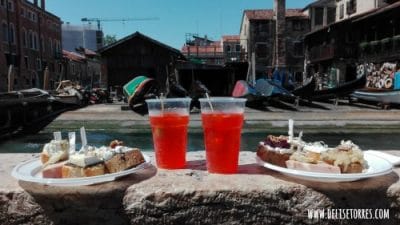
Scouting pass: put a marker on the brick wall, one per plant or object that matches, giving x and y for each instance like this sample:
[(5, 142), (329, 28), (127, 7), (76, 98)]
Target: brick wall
[(34, 44)]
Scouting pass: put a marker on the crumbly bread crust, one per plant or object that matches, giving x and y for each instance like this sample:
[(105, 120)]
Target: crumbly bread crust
[(44, 157), (123, 161), (272, 157), (72, 171)]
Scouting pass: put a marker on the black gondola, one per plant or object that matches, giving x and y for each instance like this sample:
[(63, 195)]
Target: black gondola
[(26, 111), (333, 93)]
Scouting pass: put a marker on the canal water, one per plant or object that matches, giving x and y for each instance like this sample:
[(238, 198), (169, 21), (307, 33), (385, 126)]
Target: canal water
[(34, 143)]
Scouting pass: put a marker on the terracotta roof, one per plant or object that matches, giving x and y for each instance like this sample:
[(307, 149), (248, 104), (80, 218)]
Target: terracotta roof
[(230, 38), (268, 14), (202, 49), (73, 56), (90, 52)]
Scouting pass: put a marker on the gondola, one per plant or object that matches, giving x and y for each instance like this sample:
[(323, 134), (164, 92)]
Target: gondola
[(307, 89), (340, 91), (138, 90), (263, 91), (26, 111), (384, 96)]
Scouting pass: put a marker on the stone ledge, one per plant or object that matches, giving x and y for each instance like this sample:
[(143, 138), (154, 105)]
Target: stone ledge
[(192, 196)]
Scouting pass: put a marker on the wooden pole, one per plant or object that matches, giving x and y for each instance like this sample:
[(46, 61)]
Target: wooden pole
[(11, 78), (46, 79)]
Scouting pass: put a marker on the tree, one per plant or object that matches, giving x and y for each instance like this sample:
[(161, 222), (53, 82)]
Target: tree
[(109, 39)]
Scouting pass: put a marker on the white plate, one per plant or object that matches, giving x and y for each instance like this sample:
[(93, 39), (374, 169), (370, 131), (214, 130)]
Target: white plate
[(31, 171), (377, 167)]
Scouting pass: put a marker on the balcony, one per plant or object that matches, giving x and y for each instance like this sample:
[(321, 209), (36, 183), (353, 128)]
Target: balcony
[(380, 50)]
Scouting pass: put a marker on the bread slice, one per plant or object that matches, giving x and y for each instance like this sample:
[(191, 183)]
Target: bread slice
[(310, 167), (72, 171), (53, 170), (269, 155), (54, 151), (124, 160)]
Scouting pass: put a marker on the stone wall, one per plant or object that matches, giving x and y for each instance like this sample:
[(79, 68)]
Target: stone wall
[(255, 195)]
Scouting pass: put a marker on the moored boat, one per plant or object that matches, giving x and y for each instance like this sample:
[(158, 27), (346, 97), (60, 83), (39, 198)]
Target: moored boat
[(383, 96), (26, 111), (340, 91)]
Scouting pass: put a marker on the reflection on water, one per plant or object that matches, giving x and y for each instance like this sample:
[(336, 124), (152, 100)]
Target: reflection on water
[(34, 143)]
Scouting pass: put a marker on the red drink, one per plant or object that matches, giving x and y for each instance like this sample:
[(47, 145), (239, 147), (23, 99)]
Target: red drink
[(170, 138), (222, 140)]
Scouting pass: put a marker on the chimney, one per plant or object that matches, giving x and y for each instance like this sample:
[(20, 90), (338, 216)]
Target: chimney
[(43, 4), (35, 2), (280, 39)]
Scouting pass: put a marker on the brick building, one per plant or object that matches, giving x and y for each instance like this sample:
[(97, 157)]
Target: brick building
[(258, 35), (30, 39)]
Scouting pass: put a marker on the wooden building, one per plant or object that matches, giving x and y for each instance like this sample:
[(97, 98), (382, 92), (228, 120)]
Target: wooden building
[(136, 55)]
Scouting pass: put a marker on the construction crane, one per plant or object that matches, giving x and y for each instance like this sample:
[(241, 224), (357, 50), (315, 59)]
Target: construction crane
[(99, 20)]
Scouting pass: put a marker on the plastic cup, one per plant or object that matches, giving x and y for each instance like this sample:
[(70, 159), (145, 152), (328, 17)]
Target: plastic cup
[(169, 119), (222, 120)]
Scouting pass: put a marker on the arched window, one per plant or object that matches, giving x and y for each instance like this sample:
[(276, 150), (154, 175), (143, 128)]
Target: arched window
[(24, 38), (30, 39), (4, 30), (12, 33)]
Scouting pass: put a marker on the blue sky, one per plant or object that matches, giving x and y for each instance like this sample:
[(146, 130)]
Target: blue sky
[(176, 17)]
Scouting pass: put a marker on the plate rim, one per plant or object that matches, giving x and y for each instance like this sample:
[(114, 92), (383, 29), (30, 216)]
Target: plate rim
[(329, 176), (79, 181)]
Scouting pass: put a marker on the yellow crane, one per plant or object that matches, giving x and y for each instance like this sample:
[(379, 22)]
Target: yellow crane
[(99, 20)]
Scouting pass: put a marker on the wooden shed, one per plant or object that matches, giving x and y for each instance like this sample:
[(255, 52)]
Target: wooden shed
[(136, 55)]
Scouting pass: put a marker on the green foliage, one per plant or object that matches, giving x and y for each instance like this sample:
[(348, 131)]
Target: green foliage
[(109, 39)]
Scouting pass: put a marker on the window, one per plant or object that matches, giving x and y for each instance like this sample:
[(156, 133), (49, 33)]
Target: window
[(4, 29), (297, 25), (38, 64), (15, 81), (298, 49), (50, 45), (26, 62), (27, 81), (341, 11), (35, 41), (319, 16), (351, 7), (331, 15), (3, 3), (228, 48), (261, 50), (30, 39), (22, 12), (12, 33), (34, 18), (237, 47), (42, 46), (24, 38), (10, 6)]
